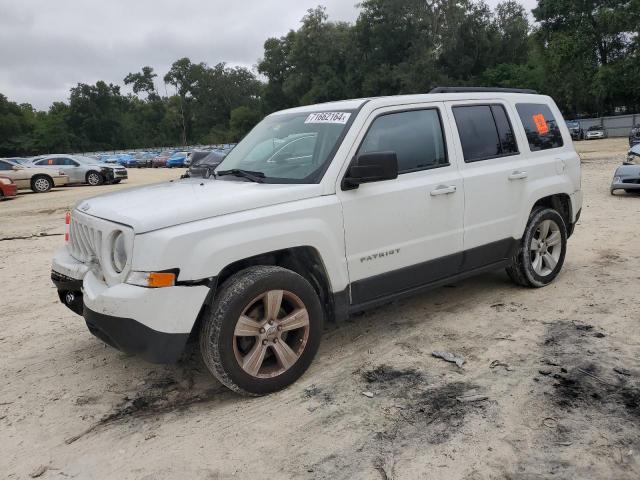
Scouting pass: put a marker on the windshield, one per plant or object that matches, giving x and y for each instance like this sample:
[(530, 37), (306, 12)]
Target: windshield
[(289, 148)]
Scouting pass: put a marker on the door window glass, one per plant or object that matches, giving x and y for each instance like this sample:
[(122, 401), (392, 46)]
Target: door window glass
[(415, 136), (485, 132)]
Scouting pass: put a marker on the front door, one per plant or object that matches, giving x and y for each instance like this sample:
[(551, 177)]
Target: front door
[(404, 233)]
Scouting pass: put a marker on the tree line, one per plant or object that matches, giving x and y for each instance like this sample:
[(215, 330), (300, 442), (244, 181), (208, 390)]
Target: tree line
[(584, 53)]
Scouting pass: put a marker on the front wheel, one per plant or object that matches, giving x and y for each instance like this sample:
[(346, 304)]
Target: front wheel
[(263, 330), (542, 250), (94, 179)]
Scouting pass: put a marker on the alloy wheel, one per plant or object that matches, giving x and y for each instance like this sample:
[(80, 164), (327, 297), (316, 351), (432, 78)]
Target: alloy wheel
[(42, 184), (545, 248), (271, 334), (93, 179)]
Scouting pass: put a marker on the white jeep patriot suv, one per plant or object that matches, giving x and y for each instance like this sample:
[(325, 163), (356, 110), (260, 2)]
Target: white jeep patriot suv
[(322, 211)]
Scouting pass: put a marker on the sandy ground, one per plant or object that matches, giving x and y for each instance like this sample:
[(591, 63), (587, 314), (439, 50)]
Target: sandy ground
[(70, 407)]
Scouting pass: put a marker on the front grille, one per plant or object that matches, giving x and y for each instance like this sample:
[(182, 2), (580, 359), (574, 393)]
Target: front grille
[(85, 241), (631, 180)]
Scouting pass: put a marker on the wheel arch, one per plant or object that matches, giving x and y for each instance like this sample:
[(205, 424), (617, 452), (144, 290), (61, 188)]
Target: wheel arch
[(560, 202), (306, 261)]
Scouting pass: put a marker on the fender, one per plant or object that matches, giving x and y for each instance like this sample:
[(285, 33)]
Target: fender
[(202, 249), (539, 189)]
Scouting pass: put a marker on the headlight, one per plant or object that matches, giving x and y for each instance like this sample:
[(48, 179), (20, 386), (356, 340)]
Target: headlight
[(5, 181), (118, 252), (617, 180), (632, 158)]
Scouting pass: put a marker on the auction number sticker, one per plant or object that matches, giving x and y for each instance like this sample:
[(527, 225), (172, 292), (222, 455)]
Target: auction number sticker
[(541, 124), (328, 117)]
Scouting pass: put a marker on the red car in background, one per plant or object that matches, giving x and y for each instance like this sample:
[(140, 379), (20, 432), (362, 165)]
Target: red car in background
[(159, 161), (7, 188)]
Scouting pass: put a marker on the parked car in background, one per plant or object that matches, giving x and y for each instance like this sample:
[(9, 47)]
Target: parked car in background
[(127, 160), (595, 131), (7, 188), (160, 160), (634, 135), (575, 130), (143, 159), (195, 156), (627, 178), (39, 180), (177, 160), (204, 166), (82, 169)]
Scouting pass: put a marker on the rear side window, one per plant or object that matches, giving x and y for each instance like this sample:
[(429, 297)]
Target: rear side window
[(415, 136), (485, 132), (540, 126)]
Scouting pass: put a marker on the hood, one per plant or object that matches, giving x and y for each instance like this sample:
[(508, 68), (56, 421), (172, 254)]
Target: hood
[(166, 204), (627, 171)]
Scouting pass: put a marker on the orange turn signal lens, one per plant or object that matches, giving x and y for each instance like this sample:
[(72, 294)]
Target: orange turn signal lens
[(156, 280)]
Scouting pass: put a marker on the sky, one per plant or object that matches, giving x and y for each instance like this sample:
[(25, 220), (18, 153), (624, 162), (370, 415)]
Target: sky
[(47, 47)]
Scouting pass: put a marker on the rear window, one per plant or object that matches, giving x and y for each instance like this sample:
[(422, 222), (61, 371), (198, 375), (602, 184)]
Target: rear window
[(540, 126)]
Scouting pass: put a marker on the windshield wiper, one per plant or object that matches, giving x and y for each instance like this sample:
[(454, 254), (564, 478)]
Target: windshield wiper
[(257, 177)]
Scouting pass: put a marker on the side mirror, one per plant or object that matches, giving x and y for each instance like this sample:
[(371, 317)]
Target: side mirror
[(371, 167)]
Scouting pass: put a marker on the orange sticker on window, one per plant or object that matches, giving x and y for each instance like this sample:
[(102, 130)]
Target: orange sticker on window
[(541, 124)]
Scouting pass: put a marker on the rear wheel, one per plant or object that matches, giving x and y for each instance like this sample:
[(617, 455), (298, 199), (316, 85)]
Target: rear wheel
[(542, 250), (263, 331), (94, 179), (41, 184)]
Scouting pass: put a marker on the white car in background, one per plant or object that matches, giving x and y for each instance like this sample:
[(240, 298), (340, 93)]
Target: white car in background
[(594, 132), (82, 169)]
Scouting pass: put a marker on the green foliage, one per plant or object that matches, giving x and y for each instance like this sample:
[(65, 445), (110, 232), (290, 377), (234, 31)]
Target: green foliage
[(584, 53)]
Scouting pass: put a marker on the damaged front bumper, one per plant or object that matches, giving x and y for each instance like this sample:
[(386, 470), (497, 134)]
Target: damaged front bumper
[(154, 323)]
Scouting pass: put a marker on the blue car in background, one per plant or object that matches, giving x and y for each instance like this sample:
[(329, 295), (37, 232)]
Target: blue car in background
[(177, 160), (127, 160)]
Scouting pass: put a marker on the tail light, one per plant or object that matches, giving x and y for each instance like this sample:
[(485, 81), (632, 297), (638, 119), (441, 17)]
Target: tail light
[(67, 225)]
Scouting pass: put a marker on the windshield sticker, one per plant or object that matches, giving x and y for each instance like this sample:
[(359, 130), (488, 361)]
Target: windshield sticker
[(541, 124), (328, 117)]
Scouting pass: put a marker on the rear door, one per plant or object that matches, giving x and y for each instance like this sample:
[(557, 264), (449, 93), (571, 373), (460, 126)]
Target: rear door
[(494, 173), (404, 233)]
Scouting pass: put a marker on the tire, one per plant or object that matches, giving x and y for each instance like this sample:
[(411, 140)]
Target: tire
[(245, 295), (536, 270), (94, 178), (41, 183)]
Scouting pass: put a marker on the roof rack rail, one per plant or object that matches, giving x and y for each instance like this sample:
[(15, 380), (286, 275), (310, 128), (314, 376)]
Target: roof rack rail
[(481, 89)]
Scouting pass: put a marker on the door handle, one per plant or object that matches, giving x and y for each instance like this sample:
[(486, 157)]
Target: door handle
[(518, 175), (443, 190)]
